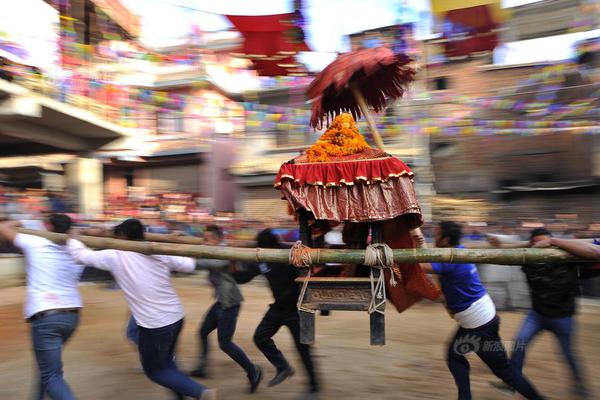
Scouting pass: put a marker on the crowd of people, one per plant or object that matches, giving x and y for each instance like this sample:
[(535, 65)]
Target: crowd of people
[(53, 306)]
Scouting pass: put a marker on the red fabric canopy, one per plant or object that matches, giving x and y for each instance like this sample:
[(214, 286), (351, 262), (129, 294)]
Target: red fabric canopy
[(366, 186), (268, 42), (368, 166)]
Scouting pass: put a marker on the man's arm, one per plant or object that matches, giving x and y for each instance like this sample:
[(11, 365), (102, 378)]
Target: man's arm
[(427, 268), (579, 248), (208, 264), (496, 242), (178, 263), (101, 259), (249, 271), (8, 230)]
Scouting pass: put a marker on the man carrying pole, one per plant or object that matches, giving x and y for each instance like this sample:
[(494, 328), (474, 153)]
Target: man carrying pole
[(554, 288), (52, 303), (471, 306), (146, 283), (283, 312), (223, 314)]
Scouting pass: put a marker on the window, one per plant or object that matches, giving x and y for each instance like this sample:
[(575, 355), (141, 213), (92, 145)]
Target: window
[(170, 121), (440, 83)]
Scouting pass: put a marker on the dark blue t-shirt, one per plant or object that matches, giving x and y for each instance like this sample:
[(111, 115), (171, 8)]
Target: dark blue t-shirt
[(460, 283)]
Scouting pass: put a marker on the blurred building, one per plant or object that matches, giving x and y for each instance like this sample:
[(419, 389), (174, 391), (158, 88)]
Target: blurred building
[(503, 146), (545, 18)]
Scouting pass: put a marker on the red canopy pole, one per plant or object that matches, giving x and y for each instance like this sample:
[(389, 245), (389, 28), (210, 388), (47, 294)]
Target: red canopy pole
[(362, 103)]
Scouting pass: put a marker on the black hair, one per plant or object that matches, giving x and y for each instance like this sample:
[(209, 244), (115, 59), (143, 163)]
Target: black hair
[(452, 231), (539, 232), (214, 229), (60, 223), (266, 239), (589, 58), (131, 228)]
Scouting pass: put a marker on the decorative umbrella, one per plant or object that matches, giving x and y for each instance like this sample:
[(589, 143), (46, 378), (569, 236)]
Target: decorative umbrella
[(357, 80)]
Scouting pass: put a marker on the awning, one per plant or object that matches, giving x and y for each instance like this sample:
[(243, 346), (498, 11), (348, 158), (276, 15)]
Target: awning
[(557, 186), (271, 42), (34, 124)]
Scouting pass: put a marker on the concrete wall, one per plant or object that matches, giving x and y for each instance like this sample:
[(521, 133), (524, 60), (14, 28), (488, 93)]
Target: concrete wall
[(12, 270), (85, 181), (506, 285)]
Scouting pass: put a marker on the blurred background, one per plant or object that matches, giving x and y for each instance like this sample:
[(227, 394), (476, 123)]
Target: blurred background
[(181, 112)]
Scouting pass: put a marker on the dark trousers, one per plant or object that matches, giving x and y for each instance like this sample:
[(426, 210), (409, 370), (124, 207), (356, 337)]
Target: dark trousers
[(268, 327), (486, 343), (133, 332), (224, 321), (157, 352), (49, 334), (563, 329)]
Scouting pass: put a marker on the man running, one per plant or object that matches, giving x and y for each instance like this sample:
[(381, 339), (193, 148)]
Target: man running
[(52, 303), (553, 288), (283, 312), (472, 307), (223, 314), (146, 284)]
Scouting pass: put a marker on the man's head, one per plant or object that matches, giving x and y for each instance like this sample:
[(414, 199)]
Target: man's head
[(448, 234), (59, 223), (539, 234), (130, 229), (213, 235), (266, 239)]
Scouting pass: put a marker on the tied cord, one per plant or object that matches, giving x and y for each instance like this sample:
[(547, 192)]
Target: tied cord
[(300, 257), (381, 256)]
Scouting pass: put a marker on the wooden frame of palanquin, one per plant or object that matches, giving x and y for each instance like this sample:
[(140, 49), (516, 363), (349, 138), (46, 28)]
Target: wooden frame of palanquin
[(340, 294)]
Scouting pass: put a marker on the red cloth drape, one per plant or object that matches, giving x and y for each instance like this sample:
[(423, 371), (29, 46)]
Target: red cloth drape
[(415, 285)]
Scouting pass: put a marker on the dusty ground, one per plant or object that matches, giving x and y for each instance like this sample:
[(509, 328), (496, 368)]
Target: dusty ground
[(101, 364)]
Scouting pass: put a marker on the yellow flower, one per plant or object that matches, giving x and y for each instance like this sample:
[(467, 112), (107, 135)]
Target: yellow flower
[(341, 138)]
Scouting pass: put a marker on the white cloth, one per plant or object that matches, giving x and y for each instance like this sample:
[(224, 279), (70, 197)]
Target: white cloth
[(52, 275), (145, 280), (479, 313)]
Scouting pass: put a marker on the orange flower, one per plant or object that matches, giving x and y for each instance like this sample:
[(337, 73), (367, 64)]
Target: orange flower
[(342, 138)]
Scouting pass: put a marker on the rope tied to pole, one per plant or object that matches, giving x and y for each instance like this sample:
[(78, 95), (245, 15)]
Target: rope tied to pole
[(380, 256), (300, 257)]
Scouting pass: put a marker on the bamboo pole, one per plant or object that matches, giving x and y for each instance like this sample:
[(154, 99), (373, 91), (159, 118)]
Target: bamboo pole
[(487, 256), (362, 103)]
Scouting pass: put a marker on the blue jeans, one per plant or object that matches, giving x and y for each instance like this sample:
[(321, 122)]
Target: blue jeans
[(133, 332), (486, 343), (157, 352), (48, 335), (224, 321), (563, 329)]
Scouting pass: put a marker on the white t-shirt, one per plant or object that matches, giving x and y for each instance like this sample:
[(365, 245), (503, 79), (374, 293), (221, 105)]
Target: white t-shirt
[(145, 280), (478, 314), (52, 275)]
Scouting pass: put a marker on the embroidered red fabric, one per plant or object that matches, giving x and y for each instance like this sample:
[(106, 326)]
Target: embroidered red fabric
[(367, 186), (368, 166)]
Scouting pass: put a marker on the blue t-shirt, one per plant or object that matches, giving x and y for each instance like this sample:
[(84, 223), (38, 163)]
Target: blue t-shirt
[(460, 283)]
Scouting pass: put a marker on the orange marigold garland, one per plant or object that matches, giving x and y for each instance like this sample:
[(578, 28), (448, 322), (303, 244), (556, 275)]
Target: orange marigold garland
[(342, 138)]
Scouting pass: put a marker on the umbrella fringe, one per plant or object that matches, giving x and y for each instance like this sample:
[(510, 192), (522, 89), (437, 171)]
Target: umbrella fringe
[(380, 75)]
